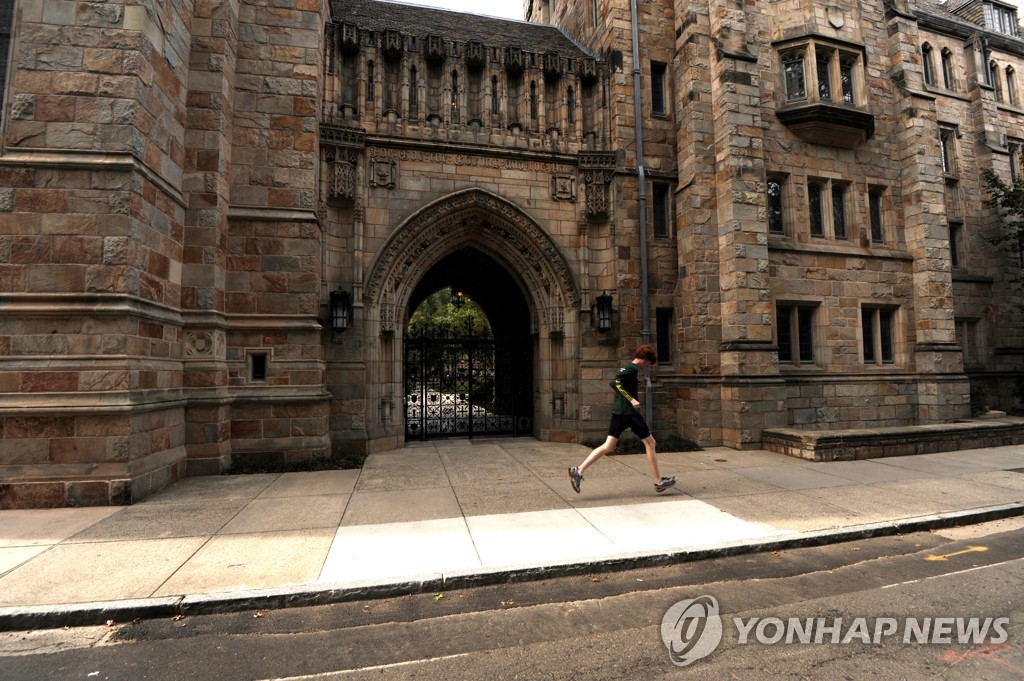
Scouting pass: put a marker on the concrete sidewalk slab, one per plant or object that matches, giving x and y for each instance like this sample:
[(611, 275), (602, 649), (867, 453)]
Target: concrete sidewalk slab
[(47, 526), (99, 571), (397, 550), (438, 514), (239, 562), (312, 483)]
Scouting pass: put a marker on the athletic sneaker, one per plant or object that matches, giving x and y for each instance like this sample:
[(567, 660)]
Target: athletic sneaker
[(575, 477), (665, 483)]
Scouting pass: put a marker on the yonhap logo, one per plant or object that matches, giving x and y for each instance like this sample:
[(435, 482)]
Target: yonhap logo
[(691, 629)]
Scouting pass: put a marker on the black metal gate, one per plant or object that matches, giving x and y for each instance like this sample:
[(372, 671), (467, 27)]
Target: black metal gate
[(468, 386)]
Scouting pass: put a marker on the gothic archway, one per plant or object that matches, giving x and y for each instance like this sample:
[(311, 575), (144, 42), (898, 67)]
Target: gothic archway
[(440, 243)]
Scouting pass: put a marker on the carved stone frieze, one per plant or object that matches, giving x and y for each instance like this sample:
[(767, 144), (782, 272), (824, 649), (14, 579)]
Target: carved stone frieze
[(477, 215), (597, 170), (342, 136)]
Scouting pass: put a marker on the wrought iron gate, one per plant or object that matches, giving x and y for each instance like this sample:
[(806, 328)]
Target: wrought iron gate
[(468, 386)]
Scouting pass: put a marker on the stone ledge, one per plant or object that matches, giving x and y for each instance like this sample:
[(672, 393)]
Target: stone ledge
[(872, 443)]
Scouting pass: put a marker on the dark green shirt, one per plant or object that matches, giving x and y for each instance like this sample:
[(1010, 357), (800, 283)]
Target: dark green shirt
[(626, 386)]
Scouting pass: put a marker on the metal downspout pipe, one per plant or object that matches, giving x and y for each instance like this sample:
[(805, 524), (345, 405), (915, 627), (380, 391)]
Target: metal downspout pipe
[(642, 201)]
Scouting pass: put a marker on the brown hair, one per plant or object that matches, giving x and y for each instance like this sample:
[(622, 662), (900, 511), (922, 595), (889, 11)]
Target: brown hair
[(646, 352)]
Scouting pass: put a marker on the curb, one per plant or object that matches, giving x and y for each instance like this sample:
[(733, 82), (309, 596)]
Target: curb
[(23, 618)]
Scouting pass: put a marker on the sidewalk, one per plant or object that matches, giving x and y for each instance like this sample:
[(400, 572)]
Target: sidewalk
[(453, 513)]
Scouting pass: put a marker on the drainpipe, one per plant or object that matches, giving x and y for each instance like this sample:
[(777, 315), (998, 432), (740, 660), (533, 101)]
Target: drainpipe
[(642, 200)]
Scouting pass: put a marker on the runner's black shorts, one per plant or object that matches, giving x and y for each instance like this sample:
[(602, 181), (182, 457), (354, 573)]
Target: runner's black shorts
[(634, 422)]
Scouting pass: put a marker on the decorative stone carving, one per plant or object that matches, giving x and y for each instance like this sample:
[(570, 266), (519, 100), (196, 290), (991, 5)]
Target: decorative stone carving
[(563, 187), (588, 71), (515, 61), (597, 170), (349, 39), (204, 344), (434, 50), (392, 45), (552, 65), (475, 214), (387, 319), (555, 321), (341, 178), (476, 55), (383, 173), (342, 136)]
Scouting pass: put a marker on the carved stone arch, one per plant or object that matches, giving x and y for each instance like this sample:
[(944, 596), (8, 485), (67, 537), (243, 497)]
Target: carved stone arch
[(489, 223)]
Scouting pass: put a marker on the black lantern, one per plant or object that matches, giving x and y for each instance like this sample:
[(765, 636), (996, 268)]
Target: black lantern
[(458, 299), (604, 312), (341, 309)]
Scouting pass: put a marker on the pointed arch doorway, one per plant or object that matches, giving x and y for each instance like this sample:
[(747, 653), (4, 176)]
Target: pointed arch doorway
[(465, 381), (509, 264)]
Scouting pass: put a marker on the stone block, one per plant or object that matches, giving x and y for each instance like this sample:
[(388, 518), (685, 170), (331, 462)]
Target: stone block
[(31, 495)]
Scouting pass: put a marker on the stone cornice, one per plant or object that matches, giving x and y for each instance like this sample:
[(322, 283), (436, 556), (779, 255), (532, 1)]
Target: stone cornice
[(90, 160), (265, 214), (85, 304)]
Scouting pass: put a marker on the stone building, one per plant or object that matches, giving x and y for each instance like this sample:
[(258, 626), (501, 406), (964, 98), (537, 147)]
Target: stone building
[(217, 217)]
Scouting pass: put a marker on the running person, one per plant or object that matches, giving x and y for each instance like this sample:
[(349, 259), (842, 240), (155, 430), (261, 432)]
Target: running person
[(626, 414)]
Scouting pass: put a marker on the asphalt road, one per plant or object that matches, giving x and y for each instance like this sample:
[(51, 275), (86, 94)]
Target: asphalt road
[(871, 593)]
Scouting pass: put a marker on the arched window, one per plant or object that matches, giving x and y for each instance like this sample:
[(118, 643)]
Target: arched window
[(947, 70), (1011, 86), (494, 94), (926, 62), (993, 80), (455, 92), (533, 100), (570, 101)]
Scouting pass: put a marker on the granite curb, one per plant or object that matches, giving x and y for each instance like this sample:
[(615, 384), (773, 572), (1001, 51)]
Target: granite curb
[(20, 618)]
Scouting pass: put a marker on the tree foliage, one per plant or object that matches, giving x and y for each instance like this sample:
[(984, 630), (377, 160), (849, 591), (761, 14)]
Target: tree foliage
[(439, 316), (1009, 200)]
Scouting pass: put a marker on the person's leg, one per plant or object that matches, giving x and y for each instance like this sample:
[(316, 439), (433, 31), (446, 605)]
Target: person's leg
[(652, 456), (608, 447)]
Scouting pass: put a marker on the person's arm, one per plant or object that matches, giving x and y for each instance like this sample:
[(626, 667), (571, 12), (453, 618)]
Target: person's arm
[(618, 386)]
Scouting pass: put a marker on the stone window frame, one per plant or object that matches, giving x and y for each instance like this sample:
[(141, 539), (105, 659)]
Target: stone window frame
[(993, 80), (927, 64), (839, 59), (971, 339), (252, 364), (1000, 18), (664, 323), (878, 331), (949, 154), (1015, 149), (659, 88), (948, 74), (661, 197), (1012, 96), (777, 203), (797, 324), (877, 205), (833, 225)]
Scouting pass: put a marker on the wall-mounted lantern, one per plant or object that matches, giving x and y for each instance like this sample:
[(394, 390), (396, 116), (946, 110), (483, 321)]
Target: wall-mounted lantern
[(341, 309), (604, 312)]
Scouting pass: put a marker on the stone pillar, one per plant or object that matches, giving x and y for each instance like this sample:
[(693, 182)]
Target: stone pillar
[(208, 138), (749, 361), (943, 391), (91, 219)]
